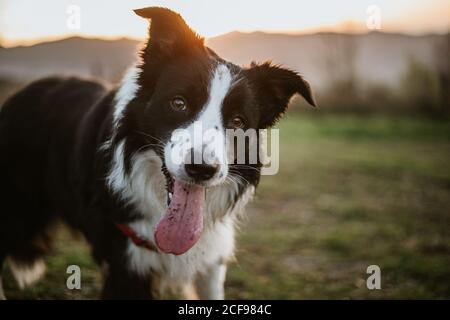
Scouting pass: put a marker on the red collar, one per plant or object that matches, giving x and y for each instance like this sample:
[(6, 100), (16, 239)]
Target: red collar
[(137, 239)]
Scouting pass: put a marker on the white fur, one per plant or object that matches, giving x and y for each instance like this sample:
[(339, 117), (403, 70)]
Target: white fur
[(217, 240), (210, 285), (206, 135), (126, 93), (25, 274), (215, 244), (116, 178), (144, 188)]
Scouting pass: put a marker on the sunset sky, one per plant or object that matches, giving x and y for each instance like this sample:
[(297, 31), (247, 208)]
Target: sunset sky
[(30, 21)]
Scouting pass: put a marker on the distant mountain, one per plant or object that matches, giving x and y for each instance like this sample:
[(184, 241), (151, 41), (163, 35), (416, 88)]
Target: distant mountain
[(71, 56), (321, 57)]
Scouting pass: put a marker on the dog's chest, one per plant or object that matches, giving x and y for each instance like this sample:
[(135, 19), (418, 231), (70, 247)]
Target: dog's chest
[(215, 245), (144, 188)]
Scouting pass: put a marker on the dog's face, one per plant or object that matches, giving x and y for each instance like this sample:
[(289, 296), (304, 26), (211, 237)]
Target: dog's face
[(187, 101), (185, 85)]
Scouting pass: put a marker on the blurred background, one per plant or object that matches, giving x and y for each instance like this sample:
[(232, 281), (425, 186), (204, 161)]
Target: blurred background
[(364, 179)]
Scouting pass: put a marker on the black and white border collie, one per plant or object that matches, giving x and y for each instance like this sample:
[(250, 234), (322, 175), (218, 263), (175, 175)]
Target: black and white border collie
[(99, 160)]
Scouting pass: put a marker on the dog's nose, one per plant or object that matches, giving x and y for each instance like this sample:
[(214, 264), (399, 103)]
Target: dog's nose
[(199, 169), (201, 172)]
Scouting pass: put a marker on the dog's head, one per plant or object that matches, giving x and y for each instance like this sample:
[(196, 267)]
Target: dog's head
[(187, 99)]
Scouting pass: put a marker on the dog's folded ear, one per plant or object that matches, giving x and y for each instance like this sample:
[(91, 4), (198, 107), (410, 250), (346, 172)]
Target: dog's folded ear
[(275, 86), (168, 31)]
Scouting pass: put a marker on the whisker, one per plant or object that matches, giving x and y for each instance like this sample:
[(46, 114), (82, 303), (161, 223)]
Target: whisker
[(245, 180), (150, 136), (158, 146), (237, 178)]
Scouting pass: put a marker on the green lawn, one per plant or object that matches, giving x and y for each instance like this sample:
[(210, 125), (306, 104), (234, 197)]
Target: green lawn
[(351, 192)]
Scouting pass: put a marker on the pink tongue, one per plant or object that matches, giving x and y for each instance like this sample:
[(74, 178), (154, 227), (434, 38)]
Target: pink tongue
[(181, 226)]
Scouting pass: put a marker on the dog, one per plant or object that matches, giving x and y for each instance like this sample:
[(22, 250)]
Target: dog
[(99, 160)]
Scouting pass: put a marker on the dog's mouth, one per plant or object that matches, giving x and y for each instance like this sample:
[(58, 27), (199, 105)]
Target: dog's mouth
[(182, 224)]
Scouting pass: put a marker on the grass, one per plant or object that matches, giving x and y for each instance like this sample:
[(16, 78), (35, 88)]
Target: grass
[(351, 192)]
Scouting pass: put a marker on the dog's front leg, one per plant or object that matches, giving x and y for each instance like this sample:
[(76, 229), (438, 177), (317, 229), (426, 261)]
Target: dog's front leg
[(210, 285)]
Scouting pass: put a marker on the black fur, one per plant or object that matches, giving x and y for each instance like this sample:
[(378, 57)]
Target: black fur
[(53, 166)]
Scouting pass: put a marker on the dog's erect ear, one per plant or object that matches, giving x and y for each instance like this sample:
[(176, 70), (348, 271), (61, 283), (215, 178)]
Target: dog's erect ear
[(274, 88), (168, 30)]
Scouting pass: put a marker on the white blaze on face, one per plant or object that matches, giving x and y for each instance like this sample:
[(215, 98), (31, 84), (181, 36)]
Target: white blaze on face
[(206, 135)]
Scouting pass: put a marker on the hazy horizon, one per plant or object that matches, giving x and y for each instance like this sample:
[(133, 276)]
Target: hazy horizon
[(274, 33), (25, 22)]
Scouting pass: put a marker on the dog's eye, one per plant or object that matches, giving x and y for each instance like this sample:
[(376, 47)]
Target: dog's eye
[(237, 123), (178, 103)]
